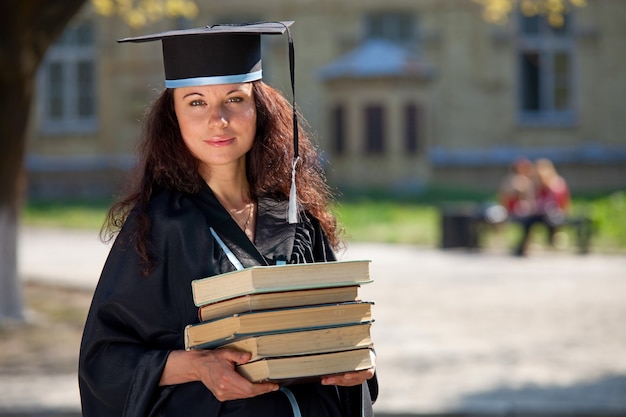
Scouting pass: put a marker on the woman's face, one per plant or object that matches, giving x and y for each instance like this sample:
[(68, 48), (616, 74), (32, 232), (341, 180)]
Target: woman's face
[(217, 122)]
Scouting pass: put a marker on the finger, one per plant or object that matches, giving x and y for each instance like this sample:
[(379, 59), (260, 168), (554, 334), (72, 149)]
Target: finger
[(349, 378), (239, 387), (235, 356), (329, 380), (264, 387), (333, 380)]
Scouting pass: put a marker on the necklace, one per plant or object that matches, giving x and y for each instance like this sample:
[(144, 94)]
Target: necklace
[(245, 225)]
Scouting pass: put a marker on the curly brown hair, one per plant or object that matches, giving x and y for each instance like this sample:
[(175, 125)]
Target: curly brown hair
[(165, 161)]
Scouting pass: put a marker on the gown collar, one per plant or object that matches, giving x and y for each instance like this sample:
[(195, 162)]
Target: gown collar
[(274, 237)]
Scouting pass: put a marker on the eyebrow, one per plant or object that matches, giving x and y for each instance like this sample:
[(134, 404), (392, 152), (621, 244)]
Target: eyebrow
[(235, 90), (193, 94)]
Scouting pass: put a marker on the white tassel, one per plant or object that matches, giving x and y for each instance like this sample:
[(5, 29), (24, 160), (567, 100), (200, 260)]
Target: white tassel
[(293, 195)]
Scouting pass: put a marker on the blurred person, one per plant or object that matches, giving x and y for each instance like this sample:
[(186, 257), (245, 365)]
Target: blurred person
[(517, 190), (215, 191), (553, 196), (551, 204)]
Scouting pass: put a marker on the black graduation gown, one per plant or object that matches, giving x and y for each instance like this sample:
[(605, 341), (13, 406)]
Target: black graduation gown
[(135, 320)]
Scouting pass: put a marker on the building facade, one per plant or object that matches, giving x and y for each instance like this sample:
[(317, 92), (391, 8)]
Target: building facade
[(400, 94)]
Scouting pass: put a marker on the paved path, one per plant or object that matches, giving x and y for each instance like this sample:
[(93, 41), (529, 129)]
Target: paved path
[(455, 332)]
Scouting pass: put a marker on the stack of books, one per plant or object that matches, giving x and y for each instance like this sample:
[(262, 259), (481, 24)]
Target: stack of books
[(300, 321)]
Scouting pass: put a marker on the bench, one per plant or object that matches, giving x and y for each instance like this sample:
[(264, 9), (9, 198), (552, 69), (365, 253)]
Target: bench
[(463, 225)]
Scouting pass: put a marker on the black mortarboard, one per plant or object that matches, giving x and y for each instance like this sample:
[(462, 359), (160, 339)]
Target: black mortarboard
[(223, 54), (218, 54)]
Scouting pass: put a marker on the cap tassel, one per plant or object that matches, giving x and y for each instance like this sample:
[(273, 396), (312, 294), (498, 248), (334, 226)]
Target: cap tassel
[(293, 195)]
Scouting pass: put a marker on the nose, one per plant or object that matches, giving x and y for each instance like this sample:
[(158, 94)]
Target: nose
[(218, 117)]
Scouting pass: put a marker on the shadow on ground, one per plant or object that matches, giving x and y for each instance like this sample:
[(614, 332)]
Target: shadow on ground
[(578, 400)]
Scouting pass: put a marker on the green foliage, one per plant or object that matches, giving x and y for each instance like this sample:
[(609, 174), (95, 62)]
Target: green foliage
[(609, 217), (138, 13), (73, 215), (389, 222), (380, 217)]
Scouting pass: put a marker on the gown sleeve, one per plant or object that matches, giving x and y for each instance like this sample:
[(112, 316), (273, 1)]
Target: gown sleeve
[(135, 321)]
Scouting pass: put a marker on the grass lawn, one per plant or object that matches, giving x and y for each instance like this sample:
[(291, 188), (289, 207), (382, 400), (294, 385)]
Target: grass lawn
[(379, 219), (72, 215), (389, 222)]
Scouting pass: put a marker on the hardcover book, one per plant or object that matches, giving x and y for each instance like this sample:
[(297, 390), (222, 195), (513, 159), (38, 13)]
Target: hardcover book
[(285, 370), (274, 278), (214, 333), (281, 299), (333, 339)]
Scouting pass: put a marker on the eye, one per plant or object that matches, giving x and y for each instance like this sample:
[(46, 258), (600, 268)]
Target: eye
[(195, 103), (234, 100)]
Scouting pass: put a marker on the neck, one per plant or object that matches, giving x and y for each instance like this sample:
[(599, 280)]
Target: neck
[(230, 187), (233, 201), (234, 196)]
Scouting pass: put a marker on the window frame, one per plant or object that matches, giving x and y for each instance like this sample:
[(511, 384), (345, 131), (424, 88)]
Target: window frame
[(400, 27), (339, 129), (375, 129), (71, 53), (412, 114), (546, 43)]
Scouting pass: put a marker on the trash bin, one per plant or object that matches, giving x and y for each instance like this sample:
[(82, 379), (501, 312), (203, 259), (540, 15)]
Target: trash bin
[(459, 227)]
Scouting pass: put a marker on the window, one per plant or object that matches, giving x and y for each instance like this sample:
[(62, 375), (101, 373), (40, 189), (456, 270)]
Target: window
[(338, 129), (411, 128), (374, 129), (392, 26), (546, 85), (67, 83)]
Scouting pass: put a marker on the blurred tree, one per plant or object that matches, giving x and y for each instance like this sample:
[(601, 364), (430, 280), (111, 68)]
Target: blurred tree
[(498, 11), (27, 29), (137, 13)]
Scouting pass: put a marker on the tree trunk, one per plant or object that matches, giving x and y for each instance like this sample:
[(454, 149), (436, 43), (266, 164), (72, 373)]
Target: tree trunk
[(10, 295), (27, 28), (14, 104)]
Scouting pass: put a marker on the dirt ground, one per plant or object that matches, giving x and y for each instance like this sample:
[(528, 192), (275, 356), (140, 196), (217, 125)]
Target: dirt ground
[(50, 338), (455, 332), (571, 331)]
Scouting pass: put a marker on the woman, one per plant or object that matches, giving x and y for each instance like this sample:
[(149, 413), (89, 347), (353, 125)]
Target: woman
[(214, 176), (553, 195), (551, 204)]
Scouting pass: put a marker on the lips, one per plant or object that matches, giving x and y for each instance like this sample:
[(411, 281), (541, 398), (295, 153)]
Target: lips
[(219, 141)]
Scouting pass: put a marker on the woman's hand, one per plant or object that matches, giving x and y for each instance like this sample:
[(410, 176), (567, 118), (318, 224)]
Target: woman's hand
[(216, 370), (352, 378), (349, 379)]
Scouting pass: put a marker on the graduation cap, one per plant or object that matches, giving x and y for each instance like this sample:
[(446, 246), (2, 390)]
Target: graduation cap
[(217, 54), (223, 54)]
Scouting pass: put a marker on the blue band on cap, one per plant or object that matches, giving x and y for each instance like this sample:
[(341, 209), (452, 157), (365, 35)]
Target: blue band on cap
[(220, 79)]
